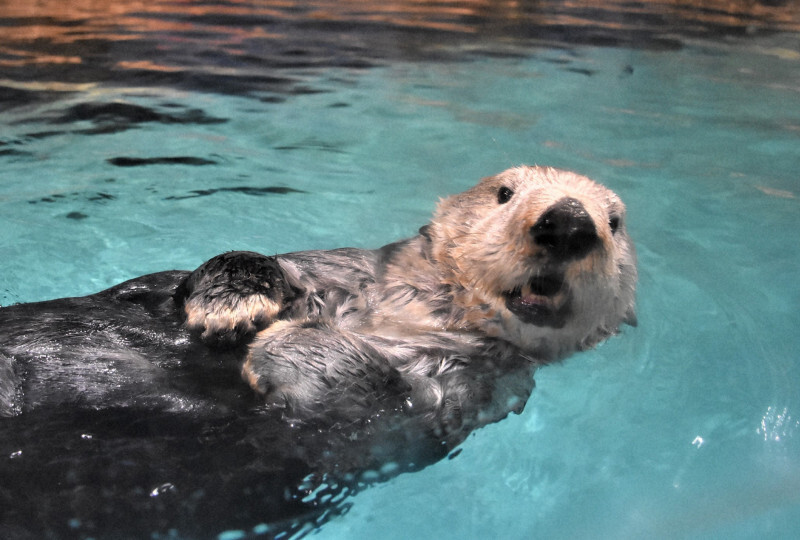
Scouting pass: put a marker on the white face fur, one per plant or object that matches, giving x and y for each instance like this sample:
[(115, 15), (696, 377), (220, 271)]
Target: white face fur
[(543, 255)]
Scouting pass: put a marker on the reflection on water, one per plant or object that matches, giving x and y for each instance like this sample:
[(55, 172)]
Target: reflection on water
[(252, 46)]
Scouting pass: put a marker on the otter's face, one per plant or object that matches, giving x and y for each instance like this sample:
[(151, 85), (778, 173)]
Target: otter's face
[(543, 255)]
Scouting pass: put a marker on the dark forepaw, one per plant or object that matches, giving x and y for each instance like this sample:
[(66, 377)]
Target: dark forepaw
[(234, 295)]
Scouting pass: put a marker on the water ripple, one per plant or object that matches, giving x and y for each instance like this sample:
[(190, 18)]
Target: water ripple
[(248, 47)]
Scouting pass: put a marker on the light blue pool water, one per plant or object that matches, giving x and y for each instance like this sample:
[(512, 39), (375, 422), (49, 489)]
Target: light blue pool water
[(687, 426)]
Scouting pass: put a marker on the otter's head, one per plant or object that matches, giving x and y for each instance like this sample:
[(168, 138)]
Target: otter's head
[(540, 257)]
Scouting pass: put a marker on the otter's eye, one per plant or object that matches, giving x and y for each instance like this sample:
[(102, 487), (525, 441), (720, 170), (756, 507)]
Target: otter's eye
[(504, 194), (613, 222)]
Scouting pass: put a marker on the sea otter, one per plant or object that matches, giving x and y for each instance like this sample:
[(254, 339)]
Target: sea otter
[(310, 368)]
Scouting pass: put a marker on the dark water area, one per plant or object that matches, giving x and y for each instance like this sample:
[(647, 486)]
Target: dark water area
[(263, 49)]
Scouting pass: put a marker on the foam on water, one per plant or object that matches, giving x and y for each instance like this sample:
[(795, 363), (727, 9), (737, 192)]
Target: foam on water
[(687, 426)]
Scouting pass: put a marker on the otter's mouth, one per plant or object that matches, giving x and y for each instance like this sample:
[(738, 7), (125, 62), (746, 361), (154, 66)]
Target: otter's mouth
[(543, 301)]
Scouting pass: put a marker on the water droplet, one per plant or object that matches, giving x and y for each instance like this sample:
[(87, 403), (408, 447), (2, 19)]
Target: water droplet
[(390, 468), (262, 528), (370, 476), (777, 424), (163, 488), (231, 535)]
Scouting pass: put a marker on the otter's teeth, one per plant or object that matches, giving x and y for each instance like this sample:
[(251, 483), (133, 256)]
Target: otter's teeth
[(528, 297)]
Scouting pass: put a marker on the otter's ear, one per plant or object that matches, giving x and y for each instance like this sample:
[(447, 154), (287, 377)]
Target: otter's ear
[(630, 318), (425, 231)]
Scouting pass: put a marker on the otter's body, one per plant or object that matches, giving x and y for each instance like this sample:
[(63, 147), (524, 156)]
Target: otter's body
[(349, 360)]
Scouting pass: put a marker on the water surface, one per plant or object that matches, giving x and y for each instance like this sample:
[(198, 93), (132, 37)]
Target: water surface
[(142, 137)]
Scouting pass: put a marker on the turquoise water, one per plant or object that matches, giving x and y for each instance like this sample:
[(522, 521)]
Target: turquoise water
[(687, 426)]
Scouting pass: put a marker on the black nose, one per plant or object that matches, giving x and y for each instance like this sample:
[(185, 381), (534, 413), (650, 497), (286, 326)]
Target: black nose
[(566, 230)]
